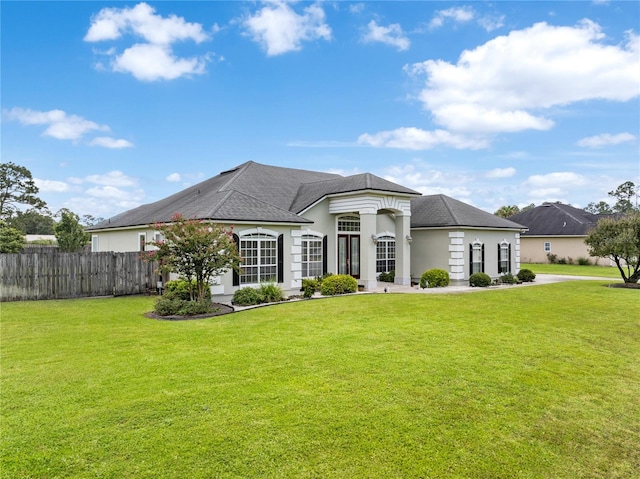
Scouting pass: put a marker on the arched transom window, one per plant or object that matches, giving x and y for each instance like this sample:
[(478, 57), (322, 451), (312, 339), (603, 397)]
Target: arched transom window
[(349, 224)]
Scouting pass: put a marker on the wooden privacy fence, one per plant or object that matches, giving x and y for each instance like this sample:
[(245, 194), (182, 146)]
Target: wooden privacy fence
[(73, 275)]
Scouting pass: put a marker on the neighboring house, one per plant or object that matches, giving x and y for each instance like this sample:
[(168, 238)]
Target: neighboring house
[(291, 224), (558, 229)]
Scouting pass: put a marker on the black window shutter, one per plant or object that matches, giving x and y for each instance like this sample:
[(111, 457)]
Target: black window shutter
[(482, 258), (499, 265), (281, 259), (236, 276), (325, 249), (470, 259), (509, 267)]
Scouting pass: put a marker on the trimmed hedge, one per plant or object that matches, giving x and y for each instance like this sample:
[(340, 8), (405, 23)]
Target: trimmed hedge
[(480, 280), (338, 284), (434, 278), (526, 275)]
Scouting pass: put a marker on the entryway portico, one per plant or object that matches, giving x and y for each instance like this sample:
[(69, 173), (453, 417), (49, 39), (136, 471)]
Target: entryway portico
[(358, 230)]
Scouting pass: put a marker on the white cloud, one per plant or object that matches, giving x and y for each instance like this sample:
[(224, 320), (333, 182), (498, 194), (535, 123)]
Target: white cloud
[(505, 84), (606, 139), (60, 125), (173, 177), (491, 23), (108, 142), (148, 62), (52, 186), (390, 35), (418, 139), (141, 20), (279, 29), (456, 14), (113, 178), (564, 180), (501, 173), (153, 60)]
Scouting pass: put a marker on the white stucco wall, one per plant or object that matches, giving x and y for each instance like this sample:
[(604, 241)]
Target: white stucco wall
[(448, 249)]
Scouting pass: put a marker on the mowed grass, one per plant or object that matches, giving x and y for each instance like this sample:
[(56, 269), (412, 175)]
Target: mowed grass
[(574, 270), (522, 382)]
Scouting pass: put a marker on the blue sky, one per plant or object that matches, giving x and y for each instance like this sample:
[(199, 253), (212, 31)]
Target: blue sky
[(115, 104)]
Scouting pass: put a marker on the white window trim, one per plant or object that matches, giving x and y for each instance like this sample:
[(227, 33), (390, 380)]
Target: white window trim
[(305, 238), (247, 235)]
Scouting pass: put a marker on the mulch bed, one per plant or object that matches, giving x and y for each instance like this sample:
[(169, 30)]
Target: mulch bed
[(220, 309)]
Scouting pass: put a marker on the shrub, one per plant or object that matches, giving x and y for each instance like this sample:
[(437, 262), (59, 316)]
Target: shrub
[(553, 258), (508, 279), (387, 277), (582, 261), (180, 289), (562, 261), (167, 306), (309, 286), (338, 284), (434, 278), (526, 275), (480, 280), (270, 293), (247, 297)]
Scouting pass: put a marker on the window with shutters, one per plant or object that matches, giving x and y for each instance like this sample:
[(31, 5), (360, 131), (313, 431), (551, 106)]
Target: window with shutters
[(259, 252), (477, 265), (504, 258)]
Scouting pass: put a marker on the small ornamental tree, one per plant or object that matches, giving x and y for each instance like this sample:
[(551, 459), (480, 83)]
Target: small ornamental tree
[(618, 239), (195, 249)]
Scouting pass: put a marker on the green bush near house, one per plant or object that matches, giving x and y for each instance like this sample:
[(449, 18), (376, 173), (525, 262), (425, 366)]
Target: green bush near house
[(177, 299), (338, 284), (526, 275), (247, 297), (387, 277), (508, 279), (479, 280), (271, 293), (309, 287), (434, 278), (266, 293)]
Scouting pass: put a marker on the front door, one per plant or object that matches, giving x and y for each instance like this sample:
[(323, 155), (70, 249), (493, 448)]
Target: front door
[(349, 255)]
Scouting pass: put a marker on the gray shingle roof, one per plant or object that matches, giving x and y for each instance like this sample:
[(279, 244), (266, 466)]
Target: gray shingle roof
[(556, 219), (252, 192), (310, 193), (436, 211)]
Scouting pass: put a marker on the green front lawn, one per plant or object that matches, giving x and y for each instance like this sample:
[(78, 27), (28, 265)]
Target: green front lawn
[(574, 270), (523, 382)]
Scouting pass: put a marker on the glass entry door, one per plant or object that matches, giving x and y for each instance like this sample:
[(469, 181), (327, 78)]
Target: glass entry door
[(349, 255)]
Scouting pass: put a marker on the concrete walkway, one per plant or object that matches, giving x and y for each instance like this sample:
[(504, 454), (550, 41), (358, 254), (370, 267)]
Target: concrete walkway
[(540, 279)]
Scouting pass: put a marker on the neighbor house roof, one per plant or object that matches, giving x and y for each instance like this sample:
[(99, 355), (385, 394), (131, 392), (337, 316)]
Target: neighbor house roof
[(438, 211), (557, 219), (252, 192)]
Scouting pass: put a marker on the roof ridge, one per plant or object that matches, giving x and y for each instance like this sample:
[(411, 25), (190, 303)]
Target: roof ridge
[(236, 172), (221, 202), (444, 199), (569, 213)]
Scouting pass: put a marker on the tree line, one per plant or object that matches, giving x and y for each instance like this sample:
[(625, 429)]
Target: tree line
[(625, 197), (23, 212)]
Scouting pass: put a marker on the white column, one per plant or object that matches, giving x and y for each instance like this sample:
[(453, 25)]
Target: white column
[(403, 250), (367, 251)]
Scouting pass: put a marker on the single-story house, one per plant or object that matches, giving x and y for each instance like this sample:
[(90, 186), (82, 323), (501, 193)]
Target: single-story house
[(557, 229), (292, 224)]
